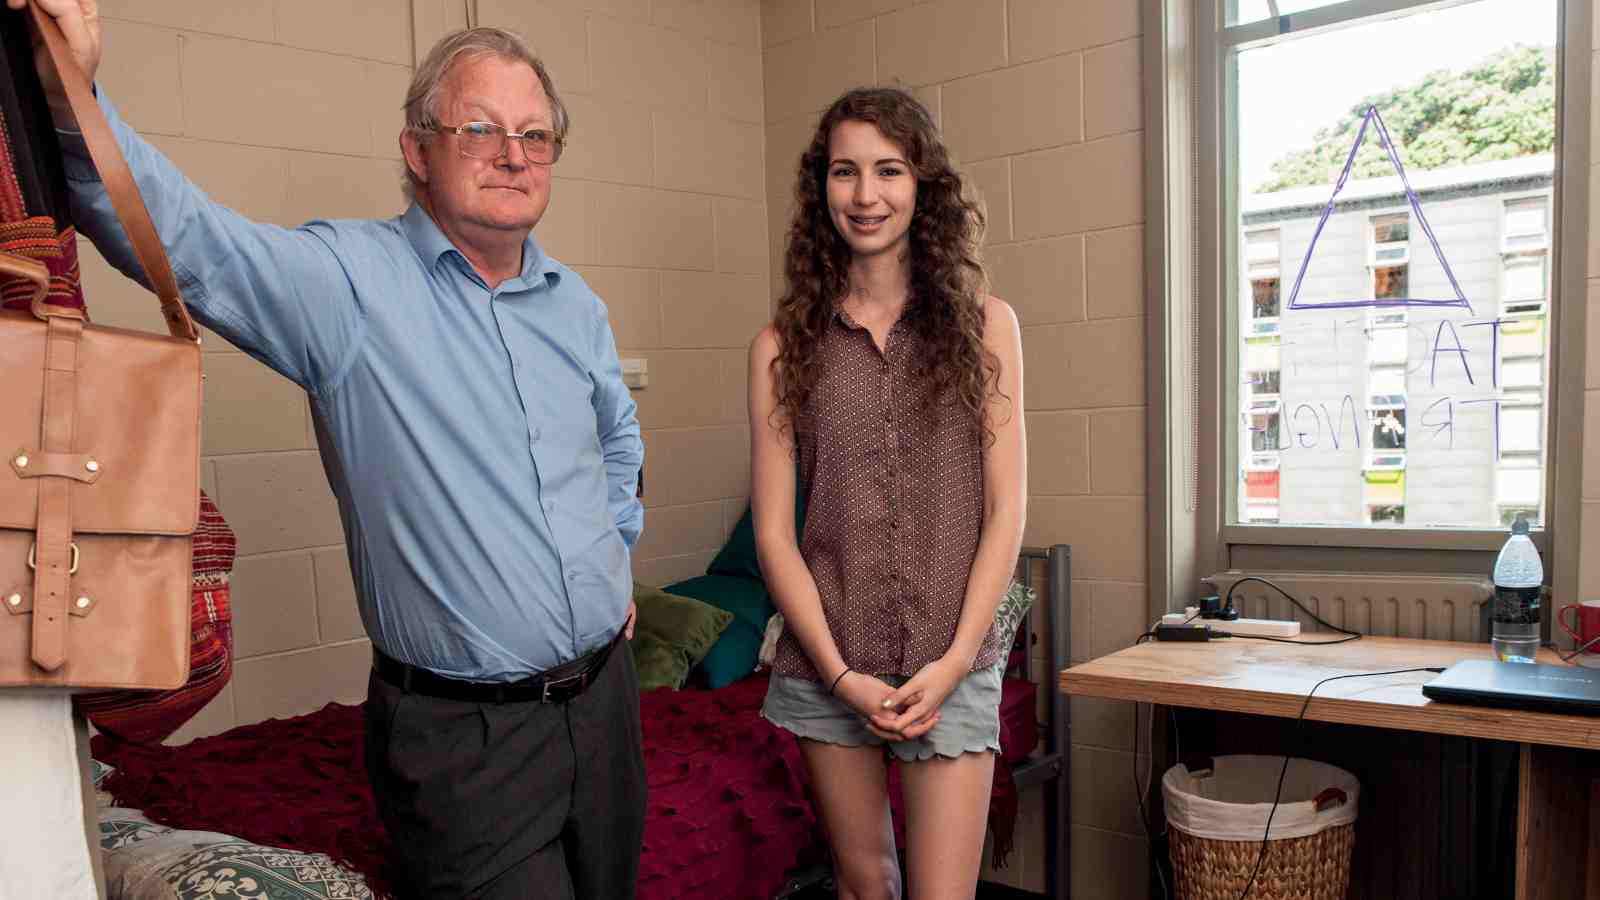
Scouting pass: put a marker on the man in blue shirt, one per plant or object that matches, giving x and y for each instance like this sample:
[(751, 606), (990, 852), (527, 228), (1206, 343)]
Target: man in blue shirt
[(474, 426)]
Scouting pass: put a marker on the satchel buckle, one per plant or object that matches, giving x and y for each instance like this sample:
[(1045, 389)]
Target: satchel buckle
[(33, 550)]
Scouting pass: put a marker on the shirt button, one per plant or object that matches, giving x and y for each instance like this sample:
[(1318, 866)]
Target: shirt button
[(893, 524), (536, 435), (572, 576)]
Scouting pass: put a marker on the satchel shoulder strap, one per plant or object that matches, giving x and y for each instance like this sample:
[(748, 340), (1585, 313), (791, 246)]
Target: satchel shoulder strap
[(118, 179)]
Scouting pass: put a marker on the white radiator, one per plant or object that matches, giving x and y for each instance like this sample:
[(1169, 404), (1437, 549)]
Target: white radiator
[(1436, 607)]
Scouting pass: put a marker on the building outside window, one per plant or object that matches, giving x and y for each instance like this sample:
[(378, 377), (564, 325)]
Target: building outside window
[(1391, 348)]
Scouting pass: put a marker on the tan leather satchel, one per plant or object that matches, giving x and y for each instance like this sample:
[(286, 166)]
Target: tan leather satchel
[(99, 494)]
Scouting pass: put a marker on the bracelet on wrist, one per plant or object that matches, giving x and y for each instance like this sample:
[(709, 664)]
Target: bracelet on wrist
[(838, 679)]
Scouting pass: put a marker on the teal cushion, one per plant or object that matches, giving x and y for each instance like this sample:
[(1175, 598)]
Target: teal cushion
[(672, 634), (734, 654), (738, 555)]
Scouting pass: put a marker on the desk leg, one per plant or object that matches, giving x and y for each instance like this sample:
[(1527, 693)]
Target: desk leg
[(1558, 825)]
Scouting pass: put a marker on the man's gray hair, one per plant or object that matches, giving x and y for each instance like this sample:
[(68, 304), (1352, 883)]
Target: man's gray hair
[(427, 83)]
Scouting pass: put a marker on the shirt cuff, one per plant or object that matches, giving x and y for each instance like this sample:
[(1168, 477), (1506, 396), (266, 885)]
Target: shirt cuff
[(76, 162)]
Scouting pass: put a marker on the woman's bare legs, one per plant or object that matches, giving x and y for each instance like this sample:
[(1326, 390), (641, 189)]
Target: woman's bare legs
[(851, 788), (947, 813)]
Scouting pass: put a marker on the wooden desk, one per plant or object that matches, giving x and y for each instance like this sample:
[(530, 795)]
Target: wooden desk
[(1558, 828)]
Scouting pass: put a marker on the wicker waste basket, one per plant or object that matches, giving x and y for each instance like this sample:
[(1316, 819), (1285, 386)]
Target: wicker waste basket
[(1219, 815)]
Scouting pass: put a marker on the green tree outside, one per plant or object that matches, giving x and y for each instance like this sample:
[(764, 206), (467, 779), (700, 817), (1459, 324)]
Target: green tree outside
[(1502, 108)]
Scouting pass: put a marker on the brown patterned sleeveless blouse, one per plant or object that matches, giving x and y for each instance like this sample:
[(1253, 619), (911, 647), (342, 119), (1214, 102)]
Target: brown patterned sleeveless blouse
[(892, 479)]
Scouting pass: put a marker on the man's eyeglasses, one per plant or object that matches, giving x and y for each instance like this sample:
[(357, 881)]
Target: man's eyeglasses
[(486, 140)]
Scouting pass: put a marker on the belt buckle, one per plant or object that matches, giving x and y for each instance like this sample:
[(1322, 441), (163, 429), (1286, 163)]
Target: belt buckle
[(581, 680)]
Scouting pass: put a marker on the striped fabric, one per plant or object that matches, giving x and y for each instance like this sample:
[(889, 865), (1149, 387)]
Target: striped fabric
[(149, 717), (36, 238)]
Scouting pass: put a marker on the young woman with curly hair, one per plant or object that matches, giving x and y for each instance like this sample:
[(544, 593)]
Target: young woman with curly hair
[(890, 383)]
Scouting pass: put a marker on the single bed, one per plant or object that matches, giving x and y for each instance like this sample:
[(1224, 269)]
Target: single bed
[(281, 809)]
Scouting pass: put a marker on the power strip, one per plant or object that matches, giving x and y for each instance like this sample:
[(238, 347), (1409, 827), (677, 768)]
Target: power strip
[(1263, 627)]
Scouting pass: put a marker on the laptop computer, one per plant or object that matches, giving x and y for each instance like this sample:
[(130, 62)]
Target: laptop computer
[(1528, 686)]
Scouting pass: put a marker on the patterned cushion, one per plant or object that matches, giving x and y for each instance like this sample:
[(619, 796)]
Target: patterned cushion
[(146, 861), (1013, 608)]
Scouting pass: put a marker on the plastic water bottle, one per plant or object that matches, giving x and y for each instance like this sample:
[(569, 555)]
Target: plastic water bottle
[(1518, 574)]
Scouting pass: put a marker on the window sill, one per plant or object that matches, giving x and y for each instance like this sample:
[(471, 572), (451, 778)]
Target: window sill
[(1488, 539)]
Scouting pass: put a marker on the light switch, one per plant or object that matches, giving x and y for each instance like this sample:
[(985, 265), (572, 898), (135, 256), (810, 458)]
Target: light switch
[(636, 373)]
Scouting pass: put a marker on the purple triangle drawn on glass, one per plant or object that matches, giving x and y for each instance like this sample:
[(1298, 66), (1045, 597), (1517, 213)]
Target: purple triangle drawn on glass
[(1460, 301)]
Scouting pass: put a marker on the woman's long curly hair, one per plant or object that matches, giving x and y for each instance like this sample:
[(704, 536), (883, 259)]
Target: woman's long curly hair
[(948, 285)]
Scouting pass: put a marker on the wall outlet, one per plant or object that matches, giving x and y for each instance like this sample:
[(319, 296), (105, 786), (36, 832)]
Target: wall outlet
[(1265, 627), (636, 373)]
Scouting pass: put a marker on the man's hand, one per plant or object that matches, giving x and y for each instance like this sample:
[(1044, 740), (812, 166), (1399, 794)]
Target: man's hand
[(633, 615), (79, 21)]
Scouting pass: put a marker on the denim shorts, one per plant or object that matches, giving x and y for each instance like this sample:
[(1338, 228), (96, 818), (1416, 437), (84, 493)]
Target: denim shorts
[(969, 719)]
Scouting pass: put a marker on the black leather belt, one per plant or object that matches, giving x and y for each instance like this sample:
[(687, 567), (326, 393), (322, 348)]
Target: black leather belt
[(556, 685)]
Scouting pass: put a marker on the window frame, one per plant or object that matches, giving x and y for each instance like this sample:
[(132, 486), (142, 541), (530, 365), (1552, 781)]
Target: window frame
[(1506, 234), (1219, 527)]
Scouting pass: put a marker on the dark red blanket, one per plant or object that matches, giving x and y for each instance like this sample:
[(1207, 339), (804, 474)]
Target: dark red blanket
[(727, 813)]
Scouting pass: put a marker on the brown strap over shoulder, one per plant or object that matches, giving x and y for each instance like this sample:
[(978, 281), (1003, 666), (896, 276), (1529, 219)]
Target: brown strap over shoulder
[(118, 179)]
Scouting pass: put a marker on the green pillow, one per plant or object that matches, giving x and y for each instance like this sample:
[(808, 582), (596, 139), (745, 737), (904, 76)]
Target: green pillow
[(746, 599), (673, 633)]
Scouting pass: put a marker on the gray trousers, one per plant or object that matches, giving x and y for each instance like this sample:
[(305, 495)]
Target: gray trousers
[(495, 801)]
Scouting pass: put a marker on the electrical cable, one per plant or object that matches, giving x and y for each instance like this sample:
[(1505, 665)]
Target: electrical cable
[(1299, 724), (1138, 794), (1228, 604), (1348, 635), (1152, 632), (1576, 651)]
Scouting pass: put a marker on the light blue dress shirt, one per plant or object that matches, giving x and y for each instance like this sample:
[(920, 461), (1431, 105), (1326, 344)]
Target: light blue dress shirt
[(481, 443)]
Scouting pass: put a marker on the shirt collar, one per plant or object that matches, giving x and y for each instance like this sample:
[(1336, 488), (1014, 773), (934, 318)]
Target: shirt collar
[(847, 321), (431, 244), (844, 319)]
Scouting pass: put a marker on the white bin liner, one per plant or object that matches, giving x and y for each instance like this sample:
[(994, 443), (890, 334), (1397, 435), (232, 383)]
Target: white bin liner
[(1232, 800)]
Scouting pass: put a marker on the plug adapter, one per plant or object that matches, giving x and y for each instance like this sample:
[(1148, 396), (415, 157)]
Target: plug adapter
[(1183, 632)]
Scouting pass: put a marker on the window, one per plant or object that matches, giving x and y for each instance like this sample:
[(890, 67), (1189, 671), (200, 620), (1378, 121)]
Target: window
[(1520, 429), (1387, 383), (1266, 382), (1387, 344), (1261, 258), (1391, 236), (1386, 296), (1265, 427), (1244, 11), (1526, 225), (1389, 514), (1390, 255), (1521, 373), (1388, 428), (1522, 336), (1520, 420), (1525, 280), (1264, 298)]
